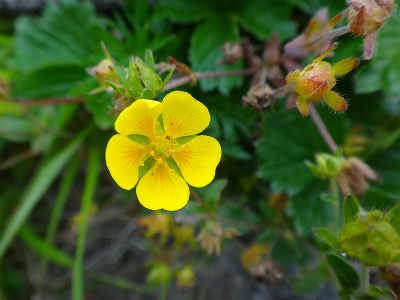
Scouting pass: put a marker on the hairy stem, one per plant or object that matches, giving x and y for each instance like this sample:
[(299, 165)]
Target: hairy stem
[(322, 129), (364, 287)]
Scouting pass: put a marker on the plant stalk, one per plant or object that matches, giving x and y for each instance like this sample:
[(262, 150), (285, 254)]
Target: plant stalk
[(322, 129)]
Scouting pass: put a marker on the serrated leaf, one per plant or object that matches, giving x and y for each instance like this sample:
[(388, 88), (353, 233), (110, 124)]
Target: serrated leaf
[(205, 52), (394, 217), (328, 237), (379, 293), (345, 273), (99, 105), (289, 140), (66, 33), (351, 208)]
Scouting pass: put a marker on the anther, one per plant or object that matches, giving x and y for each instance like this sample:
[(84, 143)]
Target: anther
[(141, 163), (172, 171), (174, 143)]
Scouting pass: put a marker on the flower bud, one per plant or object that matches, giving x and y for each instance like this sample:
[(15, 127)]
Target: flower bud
[(327, 165), (159, 274), (371, 239), (185, 277), (366, 16)]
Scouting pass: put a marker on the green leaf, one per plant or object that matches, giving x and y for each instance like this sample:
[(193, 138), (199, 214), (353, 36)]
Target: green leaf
[(329, 238), (379, 293), (205, 52), (344, 272), (44, 248), (38, 186), (99, 105), (66, 33), (264, 17), (289, 140), (308, 210), (351, 209), (394, 217), (187, 11), (49, 82), (213, 191), (310, 281), (267, 235)]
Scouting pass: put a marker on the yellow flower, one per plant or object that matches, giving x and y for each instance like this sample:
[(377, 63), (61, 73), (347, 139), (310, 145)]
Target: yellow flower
[(157, 146), (314, 83)]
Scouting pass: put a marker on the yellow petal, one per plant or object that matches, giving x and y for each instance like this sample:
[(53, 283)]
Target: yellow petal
[(345, 66), (139, 118), (198, 159), (303, 105), (292, 76), (122, 158), (335, 101), (184, 115), (163, 190)]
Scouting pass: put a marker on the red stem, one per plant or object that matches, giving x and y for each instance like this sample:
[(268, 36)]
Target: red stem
[(322, 129)]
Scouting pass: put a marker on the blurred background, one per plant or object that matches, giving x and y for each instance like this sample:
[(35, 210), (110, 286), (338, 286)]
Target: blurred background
[(262, 206)]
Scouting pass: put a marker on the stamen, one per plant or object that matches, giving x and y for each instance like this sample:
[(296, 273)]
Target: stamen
[(174, 143), (184, 133), (145, 158)]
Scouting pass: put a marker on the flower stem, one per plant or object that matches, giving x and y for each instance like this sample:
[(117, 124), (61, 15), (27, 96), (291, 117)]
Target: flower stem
[(322, 129), (335, 204), (180, 81), (364, 287)]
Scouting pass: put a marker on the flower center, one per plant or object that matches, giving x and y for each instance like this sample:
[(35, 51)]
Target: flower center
[(161, 147)]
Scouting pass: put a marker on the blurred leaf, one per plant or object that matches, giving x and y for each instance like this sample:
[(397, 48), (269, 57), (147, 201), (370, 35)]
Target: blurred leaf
[(66, 33), (288, 249), (235, 151), (380, 293), (212, 193), (99, 105), (312, 6), (267, 235), (344, 272), (264, 17), (43, 178), (11, 107), (205, 52), (384, 69), (49, 82), (351, 209), (18, 128), (187, 11), (310, 281), (44, 248), (328, 237), (394, 215)]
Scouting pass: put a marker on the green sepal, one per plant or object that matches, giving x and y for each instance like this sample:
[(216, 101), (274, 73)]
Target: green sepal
[(184, 139), (345, 273), (173, 165), (351, 209), (148, 94), (140, 139), (328, 237), (132, 83), (115, 88), (168, 77), (150, 78), (394, 217), (379, 293), (149, 60), (148, 164)]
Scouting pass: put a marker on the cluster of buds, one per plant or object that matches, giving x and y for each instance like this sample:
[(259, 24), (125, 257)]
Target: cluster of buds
[(371, 237), (351, 173), (315, 82), (139, 81)]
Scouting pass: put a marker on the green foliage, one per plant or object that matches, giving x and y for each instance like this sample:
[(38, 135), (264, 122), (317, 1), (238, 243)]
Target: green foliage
[(344, 272), (328, 237), (351, 209)]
